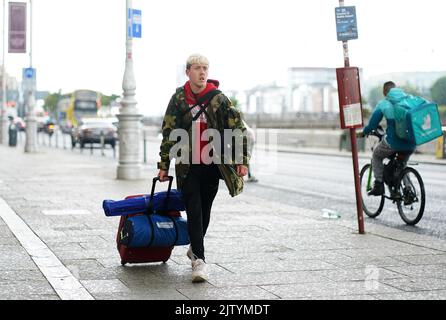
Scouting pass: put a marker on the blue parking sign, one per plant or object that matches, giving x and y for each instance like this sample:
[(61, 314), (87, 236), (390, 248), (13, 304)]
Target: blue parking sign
[(346, 26), (134, 17)]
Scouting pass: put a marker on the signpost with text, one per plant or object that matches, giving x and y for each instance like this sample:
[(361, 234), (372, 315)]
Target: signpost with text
[(349, 92), (350, 106), (346, 26)]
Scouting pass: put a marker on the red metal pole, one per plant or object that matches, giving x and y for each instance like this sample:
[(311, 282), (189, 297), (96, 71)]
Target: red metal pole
[(357, 181), (354, 151)]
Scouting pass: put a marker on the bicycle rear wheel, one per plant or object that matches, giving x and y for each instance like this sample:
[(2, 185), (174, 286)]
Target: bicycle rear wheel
[(372, 205), (411, 206)]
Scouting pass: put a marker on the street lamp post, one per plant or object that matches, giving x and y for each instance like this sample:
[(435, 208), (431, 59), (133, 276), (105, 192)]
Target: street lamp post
[(130, 166), (31, 124), (3, 115), (31, 121)]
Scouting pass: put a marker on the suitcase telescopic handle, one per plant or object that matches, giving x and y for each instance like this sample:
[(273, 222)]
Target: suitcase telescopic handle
[(158, 179), (153, 191)]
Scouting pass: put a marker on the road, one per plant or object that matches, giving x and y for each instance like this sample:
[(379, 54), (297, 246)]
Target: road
[(319, 181), (315, 182)]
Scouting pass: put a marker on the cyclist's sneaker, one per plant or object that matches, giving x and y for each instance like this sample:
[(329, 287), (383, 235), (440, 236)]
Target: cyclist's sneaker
[(199, 272), (395, 195), (409, 196), (378, 189)]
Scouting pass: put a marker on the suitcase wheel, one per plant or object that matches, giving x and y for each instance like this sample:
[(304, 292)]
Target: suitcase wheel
[(123, 263)]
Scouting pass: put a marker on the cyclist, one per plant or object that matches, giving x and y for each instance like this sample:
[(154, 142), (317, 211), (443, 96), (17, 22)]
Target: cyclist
[(390, 144)]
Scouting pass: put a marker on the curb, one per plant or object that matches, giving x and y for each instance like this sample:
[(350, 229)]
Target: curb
[(360, 156)]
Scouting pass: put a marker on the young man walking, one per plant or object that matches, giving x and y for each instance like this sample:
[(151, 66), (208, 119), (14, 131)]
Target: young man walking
[(196, 107)]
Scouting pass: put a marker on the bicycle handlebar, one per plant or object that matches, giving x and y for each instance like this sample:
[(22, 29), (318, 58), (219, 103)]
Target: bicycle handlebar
[(378, 132)]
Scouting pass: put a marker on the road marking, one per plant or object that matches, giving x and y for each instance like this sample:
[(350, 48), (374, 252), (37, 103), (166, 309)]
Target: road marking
[(64, 283)]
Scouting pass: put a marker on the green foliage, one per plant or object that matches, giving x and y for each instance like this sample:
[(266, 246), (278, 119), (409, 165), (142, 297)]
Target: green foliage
[(364, 100), (50, 104), (375, 95), (107, 100), (442, 111), (234, 102), (366, 112), (409, 89), (438, 91)]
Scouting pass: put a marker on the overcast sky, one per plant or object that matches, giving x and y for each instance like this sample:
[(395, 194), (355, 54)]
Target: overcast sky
[(81, 43)]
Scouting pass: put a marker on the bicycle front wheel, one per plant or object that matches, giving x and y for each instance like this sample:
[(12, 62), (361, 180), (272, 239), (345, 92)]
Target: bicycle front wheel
[(411, 206), (372, 205)]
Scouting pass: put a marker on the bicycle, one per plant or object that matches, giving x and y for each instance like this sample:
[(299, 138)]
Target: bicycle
[(405, 187)]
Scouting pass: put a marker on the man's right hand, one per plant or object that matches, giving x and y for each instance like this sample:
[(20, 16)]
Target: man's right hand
[(162, 174), (360, 134)]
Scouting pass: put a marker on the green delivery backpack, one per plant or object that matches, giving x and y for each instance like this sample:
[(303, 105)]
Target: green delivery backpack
[(400, 111), (417, 120)]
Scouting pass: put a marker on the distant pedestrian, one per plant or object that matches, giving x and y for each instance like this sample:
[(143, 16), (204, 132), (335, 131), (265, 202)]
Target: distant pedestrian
[(12, 132), (251, 142), (197, 180)]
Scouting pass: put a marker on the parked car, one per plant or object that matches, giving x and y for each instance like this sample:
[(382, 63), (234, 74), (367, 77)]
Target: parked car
[(91, 131)]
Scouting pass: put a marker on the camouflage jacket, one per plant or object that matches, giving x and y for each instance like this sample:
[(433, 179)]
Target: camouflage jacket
[(220, 115)]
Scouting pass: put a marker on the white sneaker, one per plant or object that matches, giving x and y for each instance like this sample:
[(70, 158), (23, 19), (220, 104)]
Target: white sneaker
[(190, 255), (199, 273)]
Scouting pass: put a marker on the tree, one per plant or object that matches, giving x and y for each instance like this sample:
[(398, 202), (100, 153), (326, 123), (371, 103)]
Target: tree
[(409, 89), (375, 95), (50, 104), (107, 100), (234, 102), (438, 91)]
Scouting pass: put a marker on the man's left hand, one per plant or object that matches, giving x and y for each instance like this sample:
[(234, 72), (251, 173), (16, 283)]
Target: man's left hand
[(242, 170)]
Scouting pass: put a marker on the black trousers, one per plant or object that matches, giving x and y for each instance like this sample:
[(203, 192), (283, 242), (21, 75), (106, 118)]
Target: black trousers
[(199, 190)]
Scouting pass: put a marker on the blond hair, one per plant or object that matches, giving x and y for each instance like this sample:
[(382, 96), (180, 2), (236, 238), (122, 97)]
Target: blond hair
[(196, 58)]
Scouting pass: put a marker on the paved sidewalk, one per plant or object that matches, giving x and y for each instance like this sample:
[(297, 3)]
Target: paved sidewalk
[(256, 250)]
